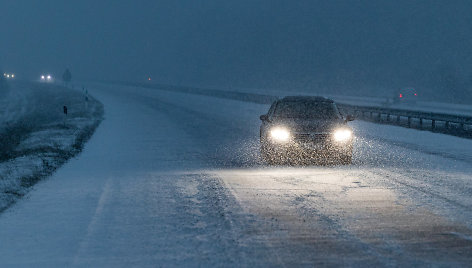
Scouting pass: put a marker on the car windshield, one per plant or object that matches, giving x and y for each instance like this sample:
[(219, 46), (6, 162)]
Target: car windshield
[(307, 109)]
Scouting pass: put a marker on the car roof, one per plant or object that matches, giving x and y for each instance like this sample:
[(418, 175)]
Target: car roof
[(306, 99)]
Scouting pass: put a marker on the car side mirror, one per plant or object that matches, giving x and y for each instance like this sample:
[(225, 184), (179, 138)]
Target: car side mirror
[(350, 118), (264, 117)]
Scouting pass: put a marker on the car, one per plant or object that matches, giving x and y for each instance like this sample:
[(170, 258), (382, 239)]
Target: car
[(46, 78), (406, 95), (300, 128), (9, 75)]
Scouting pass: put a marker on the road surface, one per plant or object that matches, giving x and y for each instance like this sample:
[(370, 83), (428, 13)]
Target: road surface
[(172, 179)]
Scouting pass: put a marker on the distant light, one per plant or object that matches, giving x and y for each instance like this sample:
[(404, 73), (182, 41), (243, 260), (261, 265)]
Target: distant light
[(13, 76), (8, 76), (149, 79), (401, 95), (415, 94), (49, 77), (42, 77)]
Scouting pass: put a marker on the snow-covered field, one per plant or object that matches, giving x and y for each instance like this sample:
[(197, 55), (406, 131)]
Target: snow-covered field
[(37, 137), (173, 179)]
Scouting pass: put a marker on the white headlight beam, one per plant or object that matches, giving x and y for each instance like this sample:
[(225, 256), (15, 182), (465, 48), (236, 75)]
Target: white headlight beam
[(280, 134), (342, 135)]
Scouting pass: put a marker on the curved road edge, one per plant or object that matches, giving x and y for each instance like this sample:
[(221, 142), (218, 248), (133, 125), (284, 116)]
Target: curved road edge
[(43, 138)]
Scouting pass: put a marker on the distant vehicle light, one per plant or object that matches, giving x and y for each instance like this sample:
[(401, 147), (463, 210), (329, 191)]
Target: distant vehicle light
[(8, 75), (46, 78), (401, 95), (415, 94), (280, 134), (342, 135), (149, 79)]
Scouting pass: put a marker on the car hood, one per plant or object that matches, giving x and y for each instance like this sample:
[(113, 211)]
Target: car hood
[(309, 125)]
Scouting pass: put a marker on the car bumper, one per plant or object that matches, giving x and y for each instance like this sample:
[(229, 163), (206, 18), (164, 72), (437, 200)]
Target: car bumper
[(307, 150)]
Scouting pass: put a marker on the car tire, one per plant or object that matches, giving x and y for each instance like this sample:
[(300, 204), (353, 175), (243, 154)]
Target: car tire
[(264, 152), (346, 159), (266, 155)]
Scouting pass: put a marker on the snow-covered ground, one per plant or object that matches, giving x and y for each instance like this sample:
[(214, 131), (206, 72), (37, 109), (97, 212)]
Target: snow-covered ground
[(420, 105), (172, 179), (13, 105), (37, 137)]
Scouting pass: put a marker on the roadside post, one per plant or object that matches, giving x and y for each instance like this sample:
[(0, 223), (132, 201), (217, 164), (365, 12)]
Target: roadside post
[(86, 100), (65, 114)]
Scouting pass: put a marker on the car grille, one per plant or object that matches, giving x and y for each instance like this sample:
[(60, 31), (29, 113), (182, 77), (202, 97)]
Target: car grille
[(311, 137)]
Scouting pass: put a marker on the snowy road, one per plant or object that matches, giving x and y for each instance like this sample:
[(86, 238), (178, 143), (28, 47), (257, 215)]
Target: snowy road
[(174, 179)]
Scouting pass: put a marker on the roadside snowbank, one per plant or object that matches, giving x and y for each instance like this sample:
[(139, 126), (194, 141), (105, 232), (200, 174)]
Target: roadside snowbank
[(36, 137)]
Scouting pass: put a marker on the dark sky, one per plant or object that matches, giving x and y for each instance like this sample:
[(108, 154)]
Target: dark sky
[(344, 45)]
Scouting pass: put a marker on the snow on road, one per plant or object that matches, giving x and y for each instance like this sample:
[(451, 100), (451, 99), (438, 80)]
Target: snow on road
[(175, 179)]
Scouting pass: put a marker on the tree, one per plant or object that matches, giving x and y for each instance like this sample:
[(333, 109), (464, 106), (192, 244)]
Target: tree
[(67, 76)]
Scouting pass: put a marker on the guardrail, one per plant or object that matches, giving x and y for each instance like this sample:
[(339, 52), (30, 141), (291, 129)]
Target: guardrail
[(457, 125)]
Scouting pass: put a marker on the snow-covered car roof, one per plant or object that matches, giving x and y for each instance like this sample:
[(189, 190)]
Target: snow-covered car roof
[(306, 98)]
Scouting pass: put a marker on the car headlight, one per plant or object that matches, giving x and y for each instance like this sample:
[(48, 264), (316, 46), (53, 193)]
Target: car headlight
[(342, 135), (280, 134)]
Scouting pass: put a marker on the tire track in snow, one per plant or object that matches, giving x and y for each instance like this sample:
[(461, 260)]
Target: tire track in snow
[(84, 244)]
